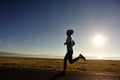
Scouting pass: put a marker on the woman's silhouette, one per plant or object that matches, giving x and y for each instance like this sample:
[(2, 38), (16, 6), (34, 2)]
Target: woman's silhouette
[(70, 43)]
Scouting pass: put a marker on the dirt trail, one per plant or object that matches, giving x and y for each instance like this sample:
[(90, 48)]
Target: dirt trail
[(29, 74)]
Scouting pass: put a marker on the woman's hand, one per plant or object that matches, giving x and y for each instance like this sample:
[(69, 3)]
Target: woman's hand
[(65, 43)]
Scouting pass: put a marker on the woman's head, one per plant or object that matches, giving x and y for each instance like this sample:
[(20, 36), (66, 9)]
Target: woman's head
[(69, 32)]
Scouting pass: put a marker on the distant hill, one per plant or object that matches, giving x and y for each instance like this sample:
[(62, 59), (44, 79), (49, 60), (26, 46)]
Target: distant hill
[(9, 54)]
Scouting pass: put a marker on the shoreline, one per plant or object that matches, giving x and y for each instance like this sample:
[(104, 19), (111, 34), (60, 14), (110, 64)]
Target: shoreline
[(43, 57)]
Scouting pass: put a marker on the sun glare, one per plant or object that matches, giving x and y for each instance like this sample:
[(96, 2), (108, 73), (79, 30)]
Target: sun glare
[(100, 57), (98, 40)]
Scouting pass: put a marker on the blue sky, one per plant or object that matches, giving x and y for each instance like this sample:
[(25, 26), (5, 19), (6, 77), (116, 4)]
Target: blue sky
[(38, 26)]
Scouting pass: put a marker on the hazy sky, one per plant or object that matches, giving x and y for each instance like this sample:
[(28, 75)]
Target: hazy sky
[(39, 26)]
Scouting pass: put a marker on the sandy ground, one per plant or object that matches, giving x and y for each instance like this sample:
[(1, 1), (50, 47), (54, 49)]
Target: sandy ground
[(34, 74)]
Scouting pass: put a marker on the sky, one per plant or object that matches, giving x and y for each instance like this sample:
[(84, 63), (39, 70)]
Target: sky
[(38, 27)]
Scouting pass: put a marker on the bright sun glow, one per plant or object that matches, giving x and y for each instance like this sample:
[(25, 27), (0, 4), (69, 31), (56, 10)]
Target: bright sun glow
[(98, 40), (100, 57)]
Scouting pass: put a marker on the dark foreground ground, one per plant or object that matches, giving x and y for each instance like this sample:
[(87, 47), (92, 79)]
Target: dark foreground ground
[(37, 74)]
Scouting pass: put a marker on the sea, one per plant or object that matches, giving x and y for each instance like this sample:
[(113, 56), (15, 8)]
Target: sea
[(54, 57)]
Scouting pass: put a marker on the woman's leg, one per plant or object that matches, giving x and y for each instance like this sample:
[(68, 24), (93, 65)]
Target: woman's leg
[(65, 61), (70, 57)]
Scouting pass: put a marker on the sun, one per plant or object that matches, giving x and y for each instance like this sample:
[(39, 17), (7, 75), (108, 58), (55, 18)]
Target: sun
[(98, 40)]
